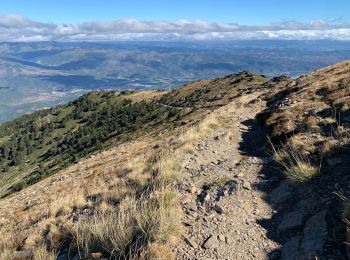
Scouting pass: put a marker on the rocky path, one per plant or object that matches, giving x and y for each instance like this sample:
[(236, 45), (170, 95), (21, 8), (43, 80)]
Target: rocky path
[(222, 199)]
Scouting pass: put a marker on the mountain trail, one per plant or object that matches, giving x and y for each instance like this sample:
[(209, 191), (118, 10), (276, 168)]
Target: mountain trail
[(222, 190)]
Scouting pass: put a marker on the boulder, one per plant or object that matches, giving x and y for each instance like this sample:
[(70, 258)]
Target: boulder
[(315, 233), (291, 221), (334, 161), (191, 242), (246, 185), (191, 206), (290, 250), (258, 160), (282, 193), (211, 243)]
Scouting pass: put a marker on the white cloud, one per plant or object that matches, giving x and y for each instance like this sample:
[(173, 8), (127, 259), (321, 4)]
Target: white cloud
[(15, 21), (19, 28)]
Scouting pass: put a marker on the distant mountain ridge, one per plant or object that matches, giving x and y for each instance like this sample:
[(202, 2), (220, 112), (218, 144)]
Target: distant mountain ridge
[(29, 70)]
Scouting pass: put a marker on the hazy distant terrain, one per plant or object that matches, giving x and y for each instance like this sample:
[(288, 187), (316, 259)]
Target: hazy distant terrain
[(37, 75)]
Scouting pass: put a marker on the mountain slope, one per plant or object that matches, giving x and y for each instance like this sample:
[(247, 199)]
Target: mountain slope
[(308, 123), (196, 180), (37, 145)]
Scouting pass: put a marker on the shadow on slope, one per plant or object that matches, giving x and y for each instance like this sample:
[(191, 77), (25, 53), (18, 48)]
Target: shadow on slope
[(254, 144), (307, 219)]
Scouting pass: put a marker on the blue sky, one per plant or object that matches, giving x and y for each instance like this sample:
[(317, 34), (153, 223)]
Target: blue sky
[(249, 12), (107, 20)]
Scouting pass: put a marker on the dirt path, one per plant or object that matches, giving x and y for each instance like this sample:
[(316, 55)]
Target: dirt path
[(222, 202)]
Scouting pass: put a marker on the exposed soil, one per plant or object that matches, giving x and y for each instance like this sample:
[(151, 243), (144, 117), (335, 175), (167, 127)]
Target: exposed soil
[(222, 204), (236, 203)]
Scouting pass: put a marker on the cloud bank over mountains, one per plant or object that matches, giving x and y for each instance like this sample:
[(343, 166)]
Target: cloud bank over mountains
[(19, 28)]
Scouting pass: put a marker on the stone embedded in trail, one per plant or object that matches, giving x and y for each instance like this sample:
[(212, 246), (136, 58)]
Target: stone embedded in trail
[(315, 233), (187, 223), (334, 161), (282, 193), (96, 255), (213, 194), (246, 185), (191, 206), (191, 242), (192, 190), (240, 175), (290, 249), (186, 199), (218, 209), (291, 220), (211, 242), (222, 238), (258, 160), (207, 197)]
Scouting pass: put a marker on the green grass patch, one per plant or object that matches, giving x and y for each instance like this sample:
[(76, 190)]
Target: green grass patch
[(220, 181)]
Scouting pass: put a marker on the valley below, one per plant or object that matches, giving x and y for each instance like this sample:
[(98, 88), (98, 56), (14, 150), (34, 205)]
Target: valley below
[(38, 75)]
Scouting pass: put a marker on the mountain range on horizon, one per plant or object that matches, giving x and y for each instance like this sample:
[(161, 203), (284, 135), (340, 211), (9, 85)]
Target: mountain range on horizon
[(37, 75)]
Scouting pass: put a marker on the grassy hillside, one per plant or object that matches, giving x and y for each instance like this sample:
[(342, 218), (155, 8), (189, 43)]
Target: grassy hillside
[(127, 186), (108, 162), (35, 146), (312, 114), (216, 92), (309, 127)]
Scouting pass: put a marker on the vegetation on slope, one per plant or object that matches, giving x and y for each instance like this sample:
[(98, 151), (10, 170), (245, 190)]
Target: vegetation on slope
[(127, 212), (309, 125), (36, 145), (216, 92), (311, 116), (125, 207), (122, 205)]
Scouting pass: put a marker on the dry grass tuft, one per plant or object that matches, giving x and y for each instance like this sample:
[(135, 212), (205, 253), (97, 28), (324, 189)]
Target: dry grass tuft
[(122, 210), (129, 228), (7, 254), (156, 251), (160, 218), (108, 232), (311, 123), (298, 168), (301, 172), (41, 253), (167, 170), (327, 147), (68, 204), (192, 135), (152, 216), (138, 174)]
